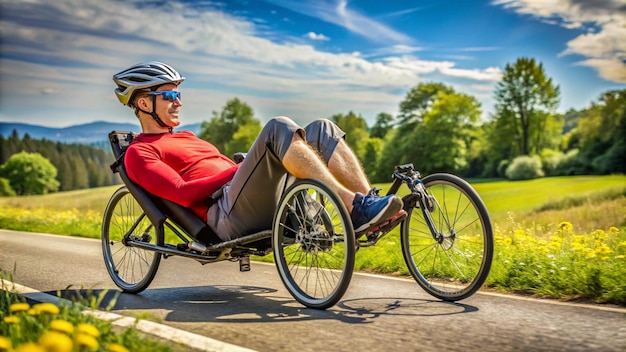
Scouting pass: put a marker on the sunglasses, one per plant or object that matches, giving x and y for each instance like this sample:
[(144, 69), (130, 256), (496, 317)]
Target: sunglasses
[(170, 95)]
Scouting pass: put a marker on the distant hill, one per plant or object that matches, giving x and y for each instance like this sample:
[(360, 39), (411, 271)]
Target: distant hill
[(88, 133)]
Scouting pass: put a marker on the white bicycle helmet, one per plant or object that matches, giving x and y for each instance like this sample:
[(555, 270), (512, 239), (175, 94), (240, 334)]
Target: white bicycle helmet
[(141, 76)]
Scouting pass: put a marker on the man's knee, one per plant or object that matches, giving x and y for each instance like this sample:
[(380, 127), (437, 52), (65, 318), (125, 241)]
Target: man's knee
[(324, 135), (279, 132)]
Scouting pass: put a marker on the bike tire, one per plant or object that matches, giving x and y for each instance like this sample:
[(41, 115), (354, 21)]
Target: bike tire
[(314, 244), (132, 269), (456, 266)]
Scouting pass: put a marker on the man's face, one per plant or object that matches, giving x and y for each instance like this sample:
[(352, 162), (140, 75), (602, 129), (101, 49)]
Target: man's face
[(167, 109)]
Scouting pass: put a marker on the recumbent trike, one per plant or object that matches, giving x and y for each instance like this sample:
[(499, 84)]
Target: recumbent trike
[(446, 236)]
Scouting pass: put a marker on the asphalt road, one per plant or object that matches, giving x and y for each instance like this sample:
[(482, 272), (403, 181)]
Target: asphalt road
[(253, 309)]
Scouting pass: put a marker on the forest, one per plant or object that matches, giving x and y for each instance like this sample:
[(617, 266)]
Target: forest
[(76, 166), (437, 128)]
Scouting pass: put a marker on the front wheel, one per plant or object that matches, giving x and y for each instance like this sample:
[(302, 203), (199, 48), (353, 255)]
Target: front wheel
[(131, 268), (314, 244), (453, 263)]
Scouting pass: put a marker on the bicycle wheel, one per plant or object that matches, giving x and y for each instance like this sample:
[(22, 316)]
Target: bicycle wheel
[(131, 268), (314, 244), (454, 266)]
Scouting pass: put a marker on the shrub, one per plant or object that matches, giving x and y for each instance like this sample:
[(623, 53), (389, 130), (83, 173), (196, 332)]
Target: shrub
[(571, 164), (612, 161), (550, 159), (5, 188), (524, 168), (502, 166)]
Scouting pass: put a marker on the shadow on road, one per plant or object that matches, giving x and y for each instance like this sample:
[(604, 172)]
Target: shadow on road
[(251, 304)]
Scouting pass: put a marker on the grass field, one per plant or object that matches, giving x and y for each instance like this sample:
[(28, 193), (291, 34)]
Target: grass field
[(561, 237)]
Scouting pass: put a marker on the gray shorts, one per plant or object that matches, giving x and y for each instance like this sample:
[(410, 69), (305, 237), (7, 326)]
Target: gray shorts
[(250, 200)]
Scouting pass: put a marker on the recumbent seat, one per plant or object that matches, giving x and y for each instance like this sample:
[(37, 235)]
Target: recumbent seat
[(158, 209)]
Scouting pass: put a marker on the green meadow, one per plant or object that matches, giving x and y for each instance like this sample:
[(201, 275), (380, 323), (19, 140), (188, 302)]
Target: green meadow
[(557, 237)]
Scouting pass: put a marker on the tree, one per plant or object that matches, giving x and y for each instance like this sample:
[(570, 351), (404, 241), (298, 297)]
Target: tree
[(526, 100), (30, 173), (356, 131), (373, 148), (418, 100), (436, 127), (222, 127), (384, 123), (244, 137), (602, 131), (9, 146)]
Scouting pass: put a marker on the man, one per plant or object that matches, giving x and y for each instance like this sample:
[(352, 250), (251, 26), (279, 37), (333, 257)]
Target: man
[(185, 169)]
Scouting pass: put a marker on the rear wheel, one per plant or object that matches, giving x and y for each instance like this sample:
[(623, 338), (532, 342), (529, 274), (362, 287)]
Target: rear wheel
[(455, 264), (131, 268), (314, 244)]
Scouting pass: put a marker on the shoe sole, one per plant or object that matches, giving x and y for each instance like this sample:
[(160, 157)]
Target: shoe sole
[(399, 216), (393, 207)]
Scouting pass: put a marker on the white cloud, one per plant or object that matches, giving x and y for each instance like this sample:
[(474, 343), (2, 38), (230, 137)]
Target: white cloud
[(49, 90), (603, 45), (74, 47), (315, 36), (447, 68), (337, 12)]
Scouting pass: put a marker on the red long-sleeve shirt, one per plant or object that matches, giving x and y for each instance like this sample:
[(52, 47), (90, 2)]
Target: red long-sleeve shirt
[(179, 167)]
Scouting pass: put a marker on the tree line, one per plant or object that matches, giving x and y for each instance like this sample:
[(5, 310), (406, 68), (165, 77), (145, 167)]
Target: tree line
[(37, 166), (441, 130), (437, 128)]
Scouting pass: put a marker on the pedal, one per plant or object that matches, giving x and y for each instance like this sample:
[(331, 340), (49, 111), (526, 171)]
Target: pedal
[(244, 264), (386, 226)]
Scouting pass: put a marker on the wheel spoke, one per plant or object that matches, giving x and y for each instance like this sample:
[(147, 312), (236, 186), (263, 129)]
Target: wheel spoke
[(453, 264), (316, 257), (131, 268)]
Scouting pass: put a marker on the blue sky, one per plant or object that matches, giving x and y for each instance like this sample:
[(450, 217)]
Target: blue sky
[(301, 58)]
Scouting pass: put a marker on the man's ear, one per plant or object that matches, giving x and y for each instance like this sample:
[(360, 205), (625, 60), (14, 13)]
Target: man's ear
[(143, 104)]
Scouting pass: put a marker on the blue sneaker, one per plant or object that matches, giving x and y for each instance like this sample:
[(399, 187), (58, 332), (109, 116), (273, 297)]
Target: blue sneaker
[(370, 210)]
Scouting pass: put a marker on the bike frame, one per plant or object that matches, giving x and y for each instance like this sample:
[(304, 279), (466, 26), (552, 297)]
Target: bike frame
[(408, 175)]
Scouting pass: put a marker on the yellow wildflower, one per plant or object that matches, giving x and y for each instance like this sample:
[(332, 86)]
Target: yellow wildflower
[(19, 307), (55, 341), (554, 246), (603, 249), (566, 226), (47, 308), (88, 329), (62, 326), (11, 319), (30, 347), (5, 344), (577, 247), (613, 230), (599, 235), (114, 347), (555, 239), (87, 341)]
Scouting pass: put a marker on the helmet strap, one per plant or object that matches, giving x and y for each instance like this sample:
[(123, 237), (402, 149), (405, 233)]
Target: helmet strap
[(154, 114), (157, 119)]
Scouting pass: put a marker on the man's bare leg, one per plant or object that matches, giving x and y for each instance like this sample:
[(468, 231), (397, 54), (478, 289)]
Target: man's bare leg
[(347, 169), (303, 162)]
